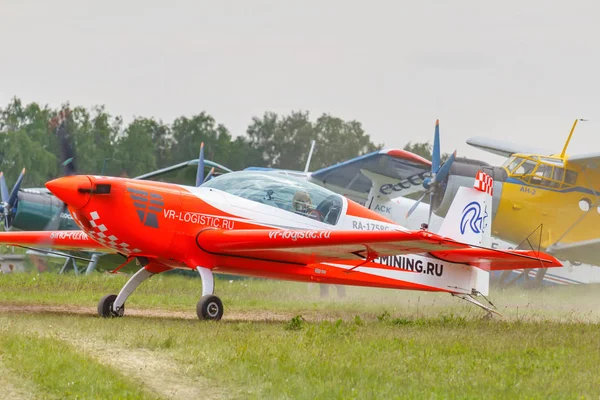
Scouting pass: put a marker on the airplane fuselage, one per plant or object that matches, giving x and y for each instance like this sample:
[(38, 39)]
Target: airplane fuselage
[(164, 222), (566, 215)]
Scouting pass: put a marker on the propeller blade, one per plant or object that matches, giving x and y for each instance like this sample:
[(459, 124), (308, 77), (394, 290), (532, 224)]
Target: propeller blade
[(200, 171), (3, 188), (54, 223), (414, 206), (445, 169), (209, 175), (66, 143), (430, 208), (12, 200), (435, 154)]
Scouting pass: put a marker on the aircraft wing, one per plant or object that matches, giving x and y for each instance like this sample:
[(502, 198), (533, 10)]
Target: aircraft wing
[(585, 251), (185, 164), (503, 148), (63, 240), (589, 160), (391, 165), (306, 247)]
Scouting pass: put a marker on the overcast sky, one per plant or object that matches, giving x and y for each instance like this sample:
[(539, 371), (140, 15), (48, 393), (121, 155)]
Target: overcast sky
[(520, 70)]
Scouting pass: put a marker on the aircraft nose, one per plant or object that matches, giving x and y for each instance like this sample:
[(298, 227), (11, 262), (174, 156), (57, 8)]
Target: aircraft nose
[(73, 190)]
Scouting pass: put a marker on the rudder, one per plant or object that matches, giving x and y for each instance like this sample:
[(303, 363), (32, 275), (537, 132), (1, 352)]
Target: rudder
[(469, 219)]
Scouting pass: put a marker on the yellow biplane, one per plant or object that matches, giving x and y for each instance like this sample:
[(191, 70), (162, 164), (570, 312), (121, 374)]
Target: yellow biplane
[(553, 198)]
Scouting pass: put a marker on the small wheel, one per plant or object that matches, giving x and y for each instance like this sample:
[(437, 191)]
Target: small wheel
[(210, 307), (105, 307)]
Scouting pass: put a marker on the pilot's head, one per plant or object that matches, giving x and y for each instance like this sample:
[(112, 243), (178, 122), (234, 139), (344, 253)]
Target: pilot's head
[(301, 202)]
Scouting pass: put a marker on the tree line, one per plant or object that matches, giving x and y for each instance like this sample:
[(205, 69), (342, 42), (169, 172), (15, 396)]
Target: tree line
[(103, 143)]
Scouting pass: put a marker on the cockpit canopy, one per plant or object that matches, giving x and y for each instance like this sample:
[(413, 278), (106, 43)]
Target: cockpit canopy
[(284, 192), (542, 171)]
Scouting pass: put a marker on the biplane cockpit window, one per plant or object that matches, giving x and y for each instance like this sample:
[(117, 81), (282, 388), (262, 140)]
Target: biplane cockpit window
[(542, 171), (524, 168), (290, 194), (559, 174), (512, 163), (571, 177), (543, 176)]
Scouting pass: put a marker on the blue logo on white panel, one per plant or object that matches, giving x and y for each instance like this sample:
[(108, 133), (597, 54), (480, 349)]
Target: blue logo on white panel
[(473, 218)]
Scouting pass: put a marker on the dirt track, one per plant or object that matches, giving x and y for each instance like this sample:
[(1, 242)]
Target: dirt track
[(91, 311)]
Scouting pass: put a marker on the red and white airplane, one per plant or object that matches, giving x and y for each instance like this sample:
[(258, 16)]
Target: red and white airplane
[(273, 226)]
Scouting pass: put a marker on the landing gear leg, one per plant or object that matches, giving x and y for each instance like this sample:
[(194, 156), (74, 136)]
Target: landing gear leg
[(114, 306), (491, 308), (210, 307)]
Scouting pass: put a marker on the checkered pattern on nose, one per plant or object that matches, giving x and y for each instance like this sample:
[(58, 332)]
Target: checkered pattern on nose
[(100, 233), (484, 183)]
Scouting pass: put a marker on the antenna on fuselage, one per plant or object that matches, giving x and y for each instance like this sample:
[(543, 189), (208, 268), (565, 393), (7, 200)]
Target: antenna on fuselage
[(562, 155), (312, 147)]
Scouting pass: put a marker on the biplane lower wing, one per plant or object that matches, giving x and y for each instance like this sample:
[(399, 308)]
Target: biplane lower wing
[(585, 251), (305, 247)]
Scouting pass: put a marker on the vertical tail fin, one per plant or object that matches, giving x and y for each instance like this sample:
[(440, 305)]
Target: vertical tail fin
[(469, 219)]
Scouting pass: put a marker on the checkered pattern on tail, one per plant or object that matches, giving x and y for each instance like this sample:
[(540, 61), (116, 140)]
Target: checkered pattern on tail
[(484, 183)]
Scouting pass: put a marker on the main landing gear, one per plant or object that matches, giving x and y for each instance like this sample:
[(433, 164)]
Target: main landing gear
[(210, 307)]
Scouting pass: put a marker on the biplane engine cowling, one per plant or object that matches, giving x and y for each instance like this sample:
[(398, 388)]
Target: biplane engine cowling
[(463, 173)]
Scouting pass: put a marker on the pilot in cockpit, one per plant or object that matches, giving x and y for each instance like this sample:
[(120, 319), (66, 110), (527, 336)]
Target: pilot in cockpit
[(302, 204)]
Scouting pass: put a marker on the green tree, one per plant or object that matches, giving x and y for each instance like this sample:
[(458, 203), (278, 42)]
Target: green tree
[(188, 133), (93, 138), (338, 141), (134, 151), (284, 141), (25, 143), (424, 149)]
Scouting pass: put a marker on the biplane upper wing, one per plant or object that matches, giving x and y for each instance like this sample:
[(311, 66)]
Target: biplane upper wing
[(589, 160), (305, 247), (390, 165), (584, 251), (62, 240), (503, 148)]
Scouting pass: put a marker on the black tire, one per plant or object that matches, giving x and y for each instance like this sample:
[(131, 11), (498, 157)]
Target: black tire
[(105, 307), (210, 308)]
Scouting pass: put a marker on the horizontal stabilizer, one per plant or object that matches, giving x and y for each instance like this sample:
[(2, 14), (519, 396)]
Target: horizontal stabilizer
[(497, 260)]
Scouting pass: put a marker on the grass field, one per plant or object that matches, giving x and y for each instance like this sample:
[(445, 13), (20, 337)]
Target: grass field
[(281, 340)]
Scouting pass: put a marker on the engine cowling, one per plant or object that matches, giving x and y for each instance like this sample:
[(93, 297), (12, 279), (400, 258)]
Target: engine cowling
[(463, 173)]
